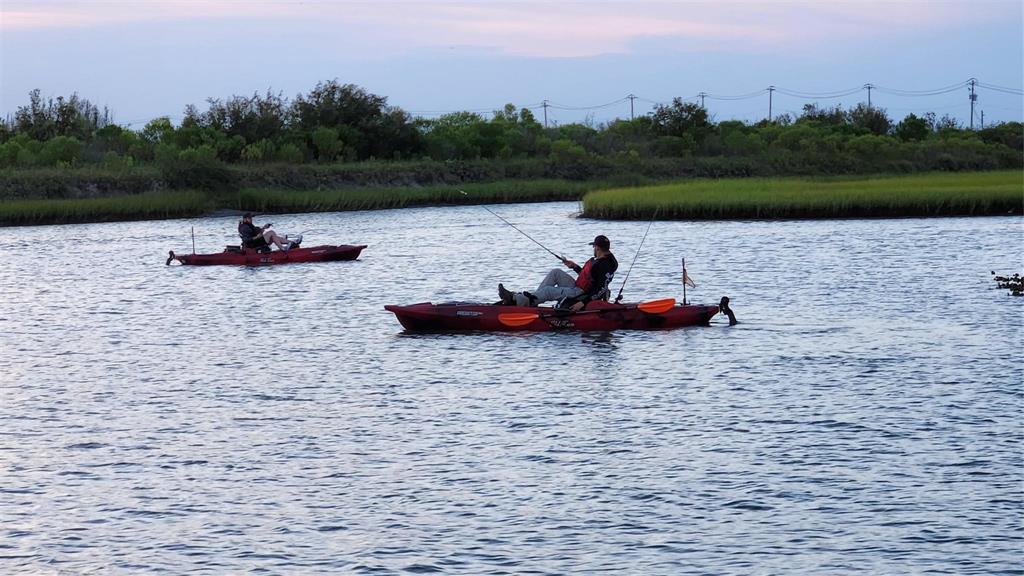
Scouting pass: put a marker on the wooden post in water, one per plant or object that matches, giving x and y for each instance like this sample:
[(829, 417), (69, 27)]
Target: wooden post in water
[(193, 240)]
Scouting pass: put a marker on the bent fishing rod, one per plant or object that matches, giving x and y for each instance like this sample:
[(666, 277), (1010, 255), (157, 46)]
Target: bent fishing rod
[(495, 214)]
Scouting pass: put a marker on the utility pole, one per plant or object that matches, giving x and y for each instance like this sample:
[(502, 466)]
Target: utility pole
[(702, 95), (868, 87), (771, 89), (974, 98), (545, 105), (631, 98), (982, 119)]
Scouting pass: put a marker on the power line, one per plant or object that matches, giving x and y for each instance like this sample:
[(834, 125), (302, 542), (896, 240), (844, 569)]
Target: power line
[(597, 107), (917, 94), (822, 95), (1003, 89), (655, 102), (932, 92), (666, 101), (443, 112), (748, 96), (998, 87)]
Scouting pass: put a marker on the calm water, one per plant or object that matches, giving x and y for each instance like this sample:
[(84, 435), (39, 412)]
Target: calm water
[(864, 417)]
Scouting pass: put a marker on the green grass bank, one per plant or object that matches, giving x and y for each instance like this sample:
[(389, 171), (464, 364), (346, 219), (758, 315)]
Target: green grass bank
[(154, 206), (931, 194), (190, 203)]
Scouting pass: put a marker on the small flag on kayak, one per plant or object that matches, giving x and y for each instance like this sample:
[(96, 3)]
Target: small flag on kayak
[(687, 280)]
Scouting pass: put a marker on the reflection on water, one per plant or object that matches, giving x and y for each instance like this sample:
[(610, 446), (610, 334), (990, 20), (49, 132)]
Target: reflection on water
[(600, 340), (232, 419)]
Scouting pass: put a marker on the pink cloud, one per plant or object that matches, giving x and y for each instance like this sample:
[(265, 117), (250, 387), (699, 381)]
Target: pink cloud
[(547, 29)]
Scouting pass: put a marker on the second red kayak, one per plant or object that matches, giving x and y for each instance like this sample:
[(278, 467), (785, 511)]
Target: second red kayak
[(234, 255)]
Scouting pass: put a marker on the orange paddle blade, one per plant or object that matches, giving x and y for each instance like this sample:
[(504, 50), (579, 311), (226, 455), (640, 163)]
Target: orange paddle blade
[(657, 306), (515, 319)]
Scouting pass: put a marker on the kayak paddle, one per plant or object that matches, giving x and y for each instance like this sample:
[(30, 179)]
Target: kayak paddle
[(516, 319)]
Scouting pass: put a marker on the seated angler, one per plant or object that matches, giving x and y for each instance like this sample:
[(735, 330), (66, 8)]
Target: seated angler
[(594, 277), (259, 236)]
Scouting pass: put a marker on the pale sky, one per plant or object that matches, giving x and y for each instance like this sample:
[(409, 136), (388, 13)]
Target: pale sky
[(146, 59)]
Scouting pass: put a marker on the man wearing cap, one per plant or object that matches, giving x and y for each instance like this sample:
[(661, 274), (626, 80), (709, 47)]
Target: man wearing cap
[(594, 277), (259, 236)]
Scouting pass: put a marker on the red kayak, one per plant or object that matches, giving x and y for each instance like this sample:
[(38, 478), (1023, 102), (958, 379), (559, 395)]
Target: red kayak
[(238, 256), (597, 316)]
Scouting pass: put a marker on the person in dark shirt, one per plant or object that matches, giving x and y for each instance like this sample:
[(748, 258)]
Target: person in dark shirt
[(594, 276), (259, 236)]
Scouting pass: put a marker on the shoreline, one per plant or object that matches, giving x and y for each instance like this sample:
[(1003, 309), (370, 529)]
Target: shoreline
[(930, 195), (230, 212)]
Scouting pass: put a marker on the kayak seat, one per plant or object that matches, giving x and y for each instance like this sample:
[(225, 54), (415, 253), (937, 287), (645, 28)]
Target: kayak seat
[(234, 249), (566, 303), (259, 244)]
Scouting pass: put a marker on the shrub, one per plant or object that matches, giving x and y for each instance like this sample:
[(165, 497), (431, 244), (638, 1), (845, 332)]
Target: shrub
[(115, 161), (61, 150), (673, 146), (290, 154), (326, 143), (26, 158), (9, 153), (912, 128), (230, 149), (197, 168), (566, 150), (262, 151)]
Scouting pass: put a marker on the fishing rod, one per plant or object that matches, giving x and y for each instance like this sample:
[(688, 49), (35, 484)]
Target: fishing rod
[(619, 297), (495, 214)]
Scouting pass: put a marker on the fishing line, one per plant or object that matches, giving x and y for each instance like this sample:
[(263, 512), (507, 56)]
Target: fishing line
[(619, 297), (495, 214)]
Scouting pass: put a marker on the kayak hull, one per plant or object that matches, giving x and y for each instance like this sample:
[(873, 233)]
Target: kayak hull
[(597, 317), (251, 257)]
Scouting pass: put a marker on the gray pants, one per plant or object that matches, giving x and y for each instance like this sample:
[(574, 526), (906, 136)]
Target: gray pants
[(555, 286)]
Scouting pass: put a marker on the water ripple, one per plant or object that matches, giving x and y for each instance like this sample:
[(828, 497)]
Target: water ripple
[(864, 417)]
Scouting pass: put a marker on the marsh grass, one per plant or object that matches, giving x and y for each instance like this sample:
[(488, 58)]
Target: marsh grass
[(931, 194), (154, 206), (265, 200), (183, 204)]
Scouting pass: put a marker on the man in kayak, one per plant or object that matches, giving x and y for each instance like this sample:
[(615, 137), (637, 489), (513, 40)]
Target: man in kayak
[(594, 277), (259, 236)]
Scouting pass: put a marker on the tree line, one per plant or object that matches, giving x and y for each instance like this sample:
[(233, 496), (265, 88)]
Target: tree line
[(337, 122)]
